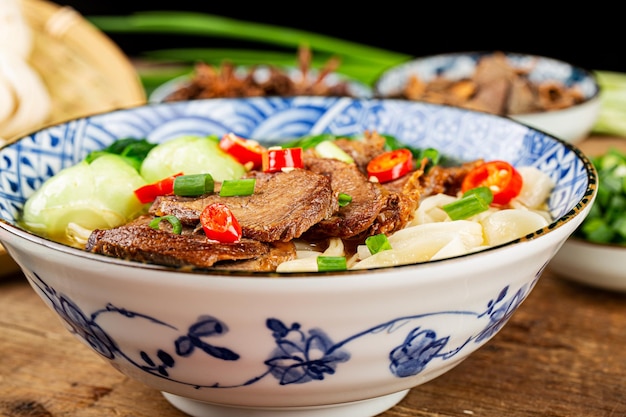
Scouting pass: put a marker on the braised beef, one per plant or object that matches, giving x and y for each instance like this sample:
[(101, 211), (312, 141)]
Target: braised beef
[(375, 208), (403, 196), (522, 97), (137, 241), (279, 252), (368, 198), (363, 151), (208, 81), (284, 205), (495, 87), (446, 180)]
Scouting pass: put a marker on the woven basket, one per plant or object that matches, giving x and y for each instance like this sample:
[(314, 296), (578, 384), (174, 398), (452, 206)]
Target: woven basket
[(83, 70)]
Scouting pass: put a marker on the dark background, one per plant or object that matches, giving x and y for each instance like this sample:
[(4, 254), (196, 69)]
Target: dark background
[(590, 35)]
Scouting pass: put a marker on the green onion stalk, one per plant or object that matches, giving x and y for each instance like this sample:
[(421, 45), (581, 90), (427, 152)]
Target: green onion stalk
[(358, 61)]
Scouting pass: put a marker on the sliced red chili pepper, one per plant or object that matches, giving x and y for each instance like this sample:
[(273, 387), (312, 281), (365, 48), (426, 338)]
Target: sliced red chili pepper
[(504, 181), (390, 165), (219, 223), (149, 192), (246, 151), (277, 159)]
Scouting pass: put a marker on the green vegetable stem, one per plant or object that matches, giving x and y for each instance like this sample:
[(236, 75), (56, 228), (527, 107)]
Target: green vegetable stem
[(361, 62)]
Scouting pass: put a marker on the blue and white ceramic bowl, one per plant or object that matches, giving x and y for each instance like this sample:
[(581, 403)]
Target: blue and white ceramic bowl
[(319, 344), (571, 124)]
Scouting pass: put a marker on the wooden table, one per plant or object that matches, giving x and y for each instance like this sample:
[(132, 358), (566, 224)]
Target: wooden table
[(563, 353)]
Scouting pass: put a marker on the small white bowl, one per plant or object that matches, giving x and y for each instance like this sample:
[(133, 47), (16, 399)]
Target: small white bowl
[(571, 124), (598, 265)]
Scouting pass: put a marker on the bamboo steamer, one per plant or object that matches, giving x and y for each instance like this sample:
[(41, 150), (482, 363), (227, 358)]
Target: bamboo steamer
[(84, 71)]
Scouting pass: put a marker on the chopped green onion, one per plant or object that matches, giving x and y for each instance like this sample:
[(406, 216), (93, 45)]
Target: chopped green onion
[(377, 243), (331, 150), (331, 263), (344, 199), (243, 186), (193, 185), (177, 227), (483, 192), (466, 207)]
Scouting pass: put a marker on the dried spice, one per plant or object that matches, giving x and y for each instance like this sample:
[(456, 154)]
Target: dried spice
[(209, 81)]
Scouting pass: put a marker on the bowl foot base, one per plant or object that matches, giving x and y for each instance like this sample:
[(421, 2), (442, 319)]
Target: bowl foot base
[(364, 408)]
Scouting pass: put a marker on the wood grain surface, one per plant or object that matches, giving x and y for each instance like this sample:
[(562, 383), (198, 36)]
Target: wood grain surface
[(562, 354)]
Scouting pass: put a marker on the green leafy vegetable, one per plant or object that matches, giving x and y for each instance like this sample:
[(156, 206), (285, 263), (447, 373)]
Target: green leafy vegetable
[(606, 222), (83, 197), (133, 150), (190, 155)]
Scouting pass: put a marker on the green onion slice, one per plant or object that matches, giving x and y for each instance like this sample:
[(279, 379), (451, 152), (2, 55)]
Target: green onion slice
[(243, 186), (331, 263), (193, 185), (469, 205), (377, 243), (344, 199), (483, 192), (329, 149), (177, 227)]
